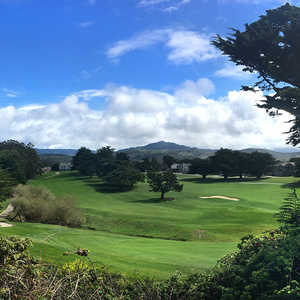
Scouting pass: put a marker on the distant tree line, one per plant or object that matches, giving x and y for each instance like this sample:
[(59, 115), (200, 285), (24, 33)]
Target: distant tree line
[(19, 163), (121, 174), (230, 163)]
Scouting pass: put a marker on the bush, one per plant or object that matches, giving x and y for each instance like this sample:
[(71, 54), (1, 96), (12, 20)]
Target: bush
[(37, 204)]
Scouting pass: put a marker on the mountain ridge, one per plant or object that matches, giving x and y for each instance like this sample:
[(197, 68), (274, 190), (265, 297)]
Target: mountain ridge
[(161, 148)]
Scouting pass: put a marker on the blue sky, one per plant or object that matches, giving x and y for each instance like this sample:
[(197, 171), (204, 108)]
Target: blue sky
[(126, 73)]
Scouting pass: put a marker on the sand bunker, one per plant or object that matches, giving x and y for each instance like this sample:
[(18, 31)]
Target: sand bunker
[(3, 224), (220, 197)]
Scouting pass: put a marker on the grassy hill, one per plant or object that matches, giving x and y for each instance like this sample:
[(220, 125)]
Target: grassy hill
[(135, 231)]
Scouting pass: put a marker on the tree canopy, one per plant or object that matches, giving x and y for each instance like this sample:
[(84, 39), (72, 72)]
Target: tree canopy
[(270, 47), (163, 182)]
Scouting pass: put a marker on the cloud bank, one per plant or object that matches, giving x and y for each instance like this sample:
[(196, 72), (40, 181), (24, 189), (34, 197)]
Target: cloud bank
[(133, 117)]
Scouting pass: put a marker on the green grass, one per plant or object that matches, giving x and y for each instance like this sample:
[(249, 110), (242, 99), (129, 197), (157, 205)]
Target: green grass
[(135, 231)]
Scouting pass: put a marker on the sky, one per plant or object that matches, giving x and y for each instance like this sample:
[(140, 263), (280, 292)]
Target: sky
[(127, 73)]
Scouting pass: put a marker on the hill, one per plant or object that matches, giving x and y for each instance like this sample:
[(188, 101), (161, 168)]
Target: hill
[(181, 152), (69, 152), (159, 149)]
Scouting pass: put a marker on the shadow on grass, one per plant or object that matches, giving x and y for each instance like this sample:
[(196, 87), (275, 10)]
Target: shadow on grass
[(221, 180), (291, 185), (154, 200), (104, 187)]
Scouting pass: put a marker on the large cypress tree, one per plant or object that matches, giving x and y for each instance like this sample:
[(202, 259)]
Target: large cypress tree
[(270, 47)]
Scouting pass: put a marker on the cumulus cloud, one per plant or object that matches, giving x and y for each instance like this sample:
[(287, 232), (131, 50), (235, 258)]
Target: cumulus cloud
[(230, 70), (184, 46), (133, 117)]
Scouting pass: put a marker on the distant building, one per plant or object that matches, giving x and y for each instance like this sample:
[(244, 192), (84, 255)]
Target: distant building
[(46, 170), (181, 167), (65, 166)]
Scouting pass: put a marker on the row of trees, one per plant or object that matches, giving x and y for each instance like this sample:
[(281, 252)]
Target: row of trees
[(234, 163), (19, 162), (120, 174)]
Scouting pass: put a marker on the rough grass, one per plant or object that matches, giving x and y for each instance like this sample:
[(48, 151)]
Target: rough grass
[(135, 231)]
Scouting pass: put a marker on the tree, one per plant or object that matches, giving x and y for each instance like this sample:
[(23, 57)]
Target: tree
[(13, 162), (84, 161), (6, 184), (25, 156), (260, 163), (105, 161), (225, 161), (271, 48), (201, 166), (124, 177), (55, 167), (122, 156), (242, 163), (163, 182), (169, 160)]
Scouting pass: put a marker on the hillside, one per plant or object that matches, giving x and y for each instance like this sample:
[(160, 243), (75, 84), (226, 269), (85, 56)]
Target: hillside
[(161, 148)]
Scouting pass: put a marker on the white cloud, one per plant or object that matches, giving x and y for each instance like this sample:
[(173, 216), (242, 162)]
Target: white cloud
[(133, 117), (230, 70), (10, 93), (185, 46), (188, 46), (151, 2), (168, 5), (140, 41), (86, 24)]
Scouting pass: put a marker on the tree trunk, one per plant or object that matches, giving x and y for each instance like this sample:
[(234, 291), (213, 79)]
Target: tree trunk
[(203, 177), (241, 176), (162, 196)]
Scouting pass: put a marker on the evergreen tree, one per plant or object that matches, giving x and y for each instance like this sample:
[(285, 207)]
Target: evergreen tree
[(270, 47)]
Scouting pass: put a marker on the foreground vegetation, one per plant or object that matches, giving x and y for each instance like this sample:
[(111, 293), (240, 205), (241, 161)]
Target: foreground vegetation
[(135, 231)]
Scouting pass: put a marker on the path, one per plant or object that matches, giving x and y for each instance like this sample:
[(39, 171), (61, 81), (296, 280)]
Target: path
[(7, 211)]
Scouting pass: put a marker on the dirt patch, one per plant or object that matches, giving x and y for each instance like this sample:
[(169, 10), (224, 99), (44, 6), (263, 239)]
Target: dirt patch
[(220, 197), (3, 224), (7, 211)]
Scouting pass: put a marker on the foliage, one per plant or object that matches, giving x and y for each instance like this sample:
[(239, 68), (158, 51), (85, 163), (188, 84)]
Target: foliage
[(224, 161), (13, 163), (124, 177), (163, 182), (260, 163), (270, 48), (105, 161), (84, 161), (37, 204), (20, 159), (201, 166), (289, 212), (169, 160), (55, 167), (6, 184)]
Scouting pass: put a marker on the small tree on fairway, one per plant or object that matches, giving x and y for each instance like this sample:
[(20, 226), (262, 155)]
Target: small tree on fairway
[(163, 182)]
